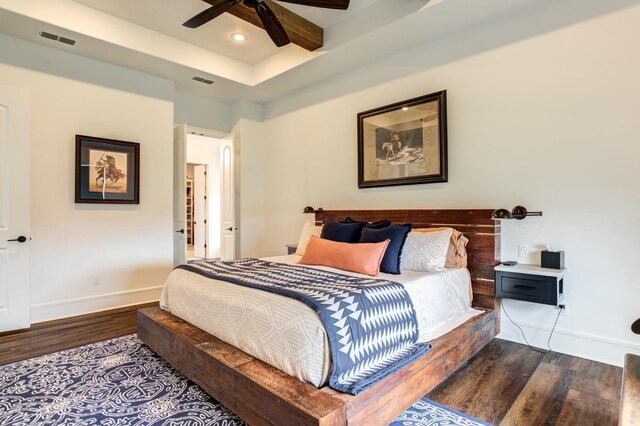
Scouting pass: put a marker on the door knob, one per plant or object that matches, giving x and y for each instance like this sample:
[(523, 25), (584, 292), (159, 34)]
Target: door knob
[(229, 229), (20, 239), (181, 231)]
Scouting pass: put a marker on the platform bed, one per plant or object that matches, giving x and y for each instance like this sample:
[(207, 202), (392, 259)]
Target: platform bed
[(264, 395)]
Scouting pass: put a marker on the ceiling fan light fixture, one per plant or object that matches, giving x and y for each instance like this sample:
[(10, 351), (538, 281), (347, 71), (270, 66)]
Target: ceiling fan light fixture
[(238, 37), (269, 20)]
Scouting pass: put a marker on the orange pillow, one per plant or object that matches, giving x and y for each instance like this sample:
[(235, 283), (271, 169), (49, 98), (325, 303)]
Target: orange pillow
[(457, 251), (363, 258)]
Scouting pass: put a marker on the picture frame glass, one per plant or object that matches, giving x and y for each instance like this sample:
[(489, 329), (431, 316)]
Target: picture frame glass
[(107, 171), (403, 143)]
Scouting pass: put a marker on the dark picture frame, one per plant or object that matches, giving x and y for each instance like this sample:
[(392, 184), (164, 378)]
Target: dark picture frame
[(107, 171), (404, 143)]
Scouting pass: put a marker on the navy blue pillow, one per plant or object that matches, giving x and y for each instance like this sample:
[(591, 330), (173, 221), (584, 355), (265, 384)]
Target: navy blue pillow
[(341, 232), (397, 234), (375, 225)]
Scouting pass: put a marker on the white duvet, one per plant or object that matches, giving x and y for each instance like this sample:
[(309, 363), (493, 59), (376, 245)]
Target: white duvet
[(288, 334)]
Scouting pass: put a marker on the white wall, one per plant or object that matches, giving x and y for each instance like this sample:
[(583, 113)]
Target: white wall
[(201, 112), (129, 247), (206, 150), (250, 170), (543, 112)]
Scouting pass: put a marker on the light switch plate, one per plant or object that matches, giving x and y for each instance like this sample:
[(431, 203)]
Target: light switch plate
[(523, 250)]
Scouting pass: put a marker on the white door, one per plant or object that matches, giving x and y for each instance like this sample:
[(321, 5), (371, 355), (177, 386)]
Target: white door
[(15, 310), (199, 210), (179, 194), (227, 245)]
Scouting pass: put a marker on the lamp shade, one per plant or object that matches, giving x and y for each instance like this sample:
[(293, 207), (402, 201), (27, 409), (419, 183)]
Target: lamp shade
[(501, 214), (519, 212)]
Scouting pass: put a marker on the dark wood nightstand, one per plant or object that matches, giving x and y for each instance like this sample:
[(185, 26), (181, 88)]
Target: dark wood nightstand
[(530, 283)]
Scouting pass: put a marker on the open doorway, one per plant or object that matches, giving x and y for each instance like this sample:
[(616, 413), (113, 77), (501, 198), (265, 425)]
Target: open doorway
[(204, 195)]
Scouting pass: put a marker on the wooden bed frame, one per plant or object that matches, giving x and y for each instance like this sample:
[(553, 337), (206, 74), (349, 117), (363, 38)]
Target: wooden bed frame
[(263, 395)]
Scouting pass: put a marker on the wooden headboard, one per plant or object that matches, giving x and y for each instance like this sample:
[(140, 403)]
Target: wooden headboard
[(483, 233)]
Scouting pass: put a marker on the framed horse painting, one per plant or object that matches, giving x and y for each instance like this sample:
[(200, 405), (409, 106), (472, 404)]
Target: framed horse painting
[(107, 171), (404, 143)]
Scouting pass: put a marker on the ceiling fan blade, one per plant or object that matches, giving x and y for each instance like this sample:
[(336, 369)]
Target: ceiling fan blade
[(327, 4), (209, 14), (272, 26)]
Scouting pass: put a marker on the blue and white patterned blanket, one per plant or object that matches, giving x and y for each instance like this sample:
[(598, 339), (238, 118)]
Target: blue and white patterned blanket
[(370, 323)]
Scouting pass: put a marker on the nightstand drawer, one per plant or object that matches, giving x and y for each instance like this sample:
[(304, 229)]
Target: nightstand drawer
[(523, 286), (527, 287)]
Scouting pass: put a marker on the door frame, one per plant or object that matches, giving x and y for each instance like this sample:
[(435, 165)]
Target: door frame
[(226, 137), (15, 298), (229, 235), (179, 237)]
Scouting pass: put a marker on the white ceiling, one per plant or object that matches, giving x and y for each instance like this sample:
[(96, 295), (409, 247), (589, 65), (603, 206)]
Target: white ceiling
[(148, 35), (166, 17)]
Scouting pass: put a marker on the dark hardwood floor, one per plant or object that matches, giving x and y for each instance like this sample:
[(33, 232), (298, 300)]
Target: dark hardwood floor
[(505, 384), (511, 384), (52, 336)]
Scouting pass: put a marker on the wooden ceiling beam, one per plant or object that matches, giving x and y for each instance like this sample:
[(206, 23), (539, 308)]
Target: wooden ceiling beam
[(302, 32)]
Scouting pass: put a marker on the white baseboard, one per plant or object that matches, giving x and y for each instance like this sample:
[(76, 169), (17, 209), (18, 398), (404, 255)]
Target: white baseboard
[(570, 342), (85, 305)]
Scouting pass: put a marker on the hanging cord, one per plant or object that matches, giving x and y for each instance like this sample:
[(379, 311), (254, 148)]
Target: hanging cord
[(525, 337)]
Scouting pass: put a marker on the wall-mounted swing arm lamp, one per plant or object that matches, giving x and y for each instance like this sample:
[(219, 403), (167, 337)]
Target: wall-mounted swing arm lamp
[(518, 212), (310, 209), (635, 327)]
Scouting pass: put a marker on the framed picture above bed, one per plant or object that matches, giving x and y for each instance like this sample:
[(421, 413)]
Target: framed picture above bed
[(404, 143), (107, 171)]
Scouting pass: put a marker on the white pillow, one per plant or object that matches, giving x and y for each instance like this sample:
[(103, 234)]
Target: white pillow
[(425, 251), (308, 230)]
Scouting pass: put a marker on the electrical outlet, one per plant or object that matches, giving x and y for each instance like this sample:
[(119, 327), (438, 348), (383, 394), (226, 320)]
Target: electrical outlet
[(563, 312), (523, 250), (95, 280)]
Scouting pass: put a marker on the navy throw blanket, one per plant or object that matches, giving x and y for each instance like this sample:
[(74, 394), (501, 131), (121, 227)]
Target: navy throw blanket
[(370, 323)]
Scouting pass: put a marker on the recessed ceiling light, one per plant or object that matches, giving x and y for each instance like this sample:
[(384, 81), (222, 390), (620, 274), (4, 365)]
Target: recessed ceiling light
[(238, 37), (405, 108)]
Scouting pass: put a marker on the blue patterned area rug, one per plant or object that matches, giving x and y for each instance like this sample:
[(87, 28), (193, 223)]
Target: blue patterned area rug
[(121, 382)]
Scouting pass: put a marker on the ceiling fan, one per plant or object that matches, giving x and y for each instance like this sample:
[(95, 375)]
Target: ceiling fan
[(269, 20)]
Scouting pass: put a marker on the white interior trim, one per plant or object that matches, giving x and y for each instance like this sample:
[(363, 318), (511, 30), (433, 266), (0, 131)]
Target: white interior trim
[(85, 305), (576, 343)]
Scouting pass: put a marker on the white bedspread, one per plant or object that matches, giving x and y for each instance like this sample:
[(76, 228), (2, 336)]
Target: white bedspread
[(288, 334)]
